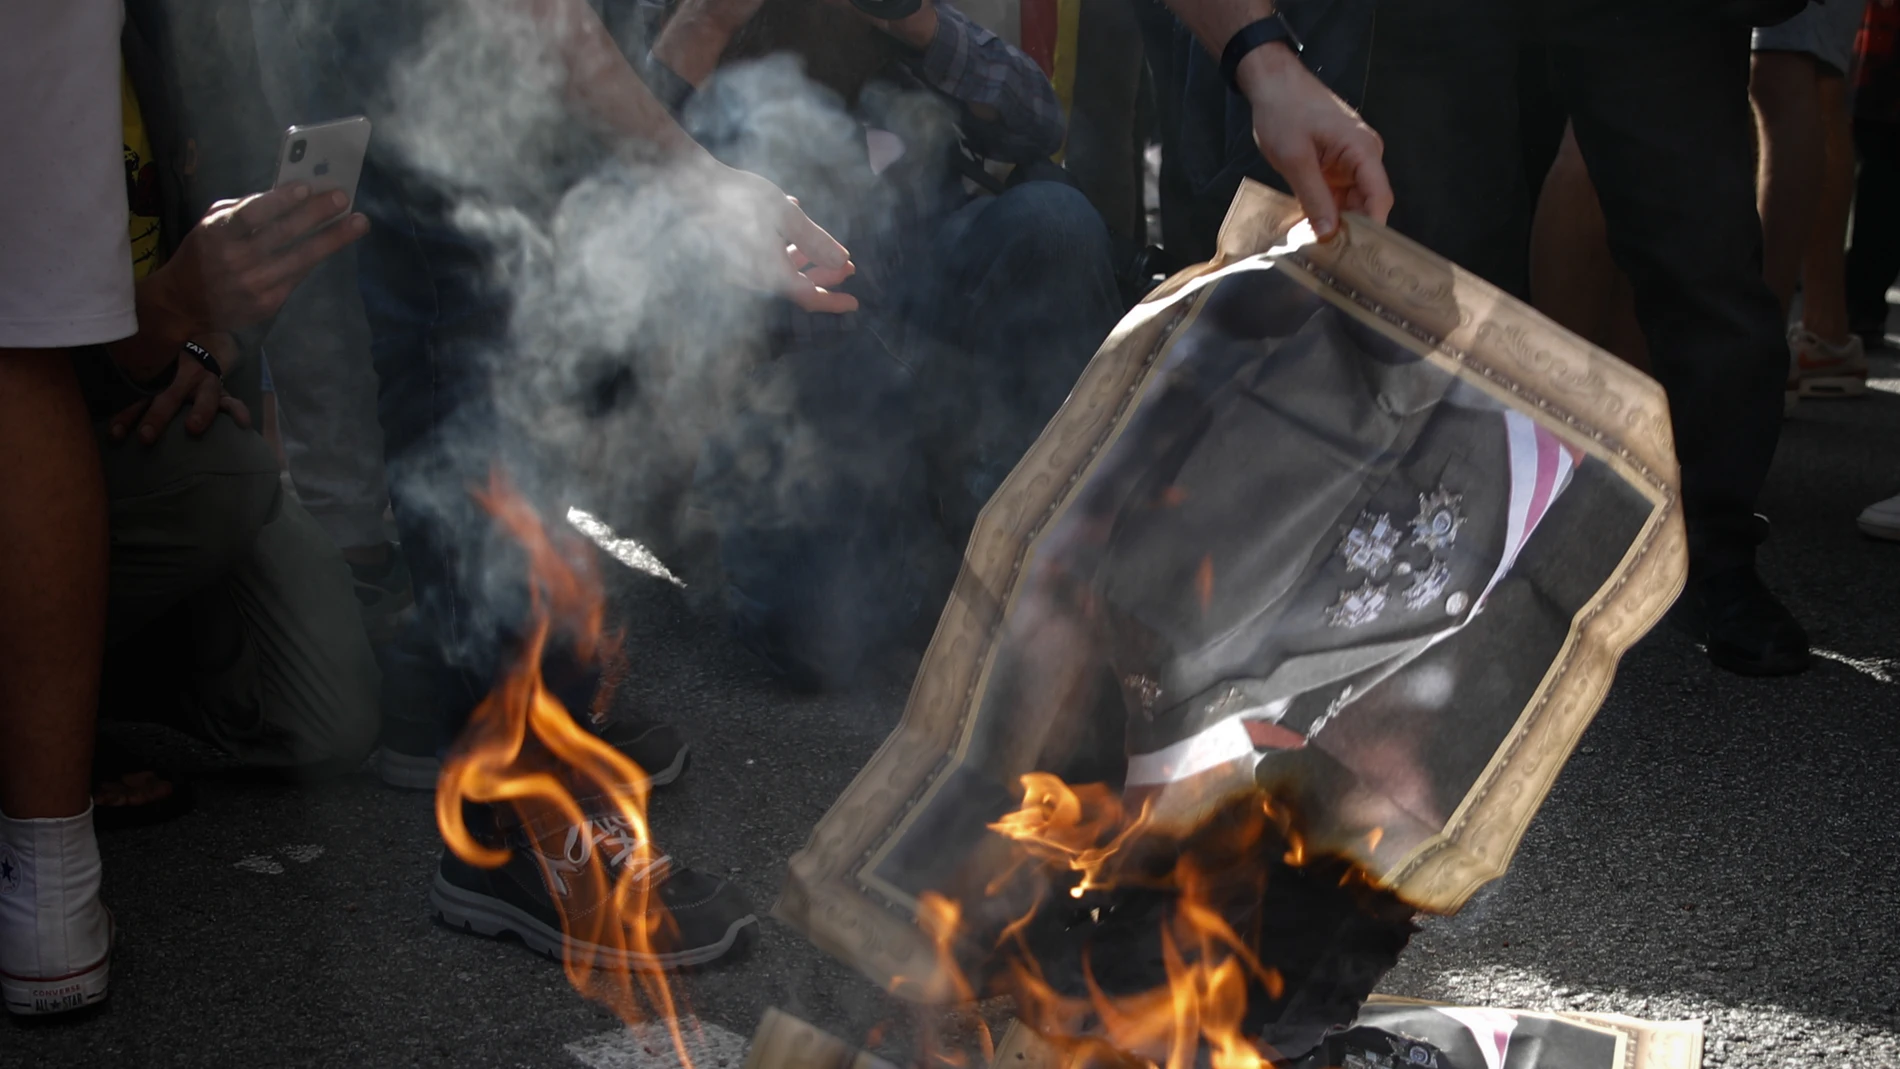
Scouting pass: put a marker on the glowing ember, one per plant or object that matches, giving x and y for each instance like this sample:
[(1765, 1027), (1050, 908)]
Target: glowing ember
[(522, 748)]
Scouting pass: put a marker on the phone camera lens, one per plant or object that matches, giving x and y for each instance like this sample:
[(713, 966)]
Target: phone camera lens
[(297, 149)]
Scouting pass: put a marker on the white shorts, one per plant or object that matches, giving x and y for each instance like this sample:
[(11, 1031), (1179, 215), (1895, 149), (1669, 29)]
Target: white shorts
[(1824, 30), (65, 259)]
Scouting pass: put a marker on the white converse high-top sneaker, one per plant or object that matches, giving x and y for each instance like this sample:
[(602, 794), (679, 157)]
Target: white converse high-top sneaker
[(55, 934)]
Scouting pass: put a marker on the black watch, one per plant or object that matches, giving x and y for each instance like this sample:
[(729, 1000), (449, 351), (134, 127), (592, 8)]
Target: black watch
[(1251, 36)]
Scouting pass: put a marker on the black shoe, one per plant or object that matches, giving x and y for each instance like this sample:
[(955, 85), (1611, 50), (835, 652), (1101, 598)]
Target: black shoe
[(411, 755), (710, 917), (659, 749), (420, 699), (1746, 629)]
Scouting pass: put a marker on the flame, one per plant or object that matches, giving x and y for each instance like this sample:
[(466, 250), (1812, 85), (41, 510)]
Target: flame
[(1208, 965), (1204, 582), (1061, 824), (523, 749), (1084, 837)]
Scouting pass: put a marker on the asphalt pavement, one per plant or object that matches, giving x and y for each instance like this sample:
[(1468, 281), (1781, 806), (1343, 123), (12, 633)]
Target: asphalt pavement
[(1719, 848)]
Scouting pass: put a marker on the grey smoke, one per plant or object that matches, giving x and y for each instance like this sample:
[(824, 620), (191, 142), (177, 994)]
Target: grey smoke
[(621, 270)]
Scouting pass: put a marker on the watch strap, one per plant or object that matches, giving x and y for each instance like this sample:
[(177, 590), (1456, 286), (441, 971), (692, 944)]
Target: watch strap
[(1251, 36)]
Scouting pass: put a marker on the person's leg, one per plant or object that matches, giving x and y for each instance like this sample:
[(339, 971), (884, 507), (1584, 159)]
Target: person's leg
[(228, 596), (1805, 186), (424, 299), (1873, 258), (1572, 274), (817, 500), (1823, 267), (1783, 86), (1574, 280), (284, 679), (1020, 293), (319, 349), (1828, 359), (65, 281), (1664, 124), (52, 587), (439, 327), (183, 513), (1443, 93), (54, 934)]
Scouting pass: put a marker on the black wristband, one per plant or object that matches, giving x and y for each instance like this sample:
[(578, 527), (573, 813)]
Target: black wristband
[(1251, 36), (666, 86), (204, 357)]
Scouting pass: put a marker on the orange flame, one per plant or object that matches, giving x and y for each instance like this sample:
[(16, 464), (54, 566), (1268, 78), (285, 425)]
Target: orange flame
[(942, 919), (522, 748), (1060, 824), (1085, 835)]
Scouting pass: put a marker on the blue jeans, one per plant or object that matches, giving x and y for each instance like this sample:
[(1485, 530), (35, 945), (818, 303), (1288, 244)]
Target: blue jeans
[(843, 495)]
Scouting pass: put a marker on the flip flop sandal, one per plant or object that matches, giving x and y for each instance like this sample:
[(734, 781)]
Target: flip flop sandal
[(110, 763)]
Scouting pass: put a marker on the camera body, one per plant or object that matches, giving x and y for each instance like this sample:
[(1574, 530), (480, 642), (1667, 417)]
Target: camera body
[(888, 9)]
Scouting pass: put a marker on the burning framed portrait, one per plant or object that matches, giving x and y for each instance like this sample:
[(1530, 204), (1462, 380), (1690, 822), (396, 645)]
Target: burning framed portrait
[(1290, 617)]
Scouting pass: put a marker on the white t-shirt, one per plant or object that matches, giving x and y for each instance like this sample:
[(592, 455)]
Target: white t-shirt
[(65, 259)]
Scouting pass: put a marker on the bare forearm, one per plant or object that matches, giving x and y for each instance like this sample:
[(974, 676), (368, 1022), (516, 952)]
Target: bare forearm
[(601, 82)]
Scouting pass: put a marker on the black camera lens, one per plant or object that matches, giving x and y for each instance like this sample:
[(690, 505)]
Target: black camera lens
[(297, 148)]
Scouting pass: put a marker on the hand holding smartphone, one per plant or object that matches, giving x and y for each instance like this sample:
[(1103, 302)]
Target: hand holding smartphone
[(325, 156)]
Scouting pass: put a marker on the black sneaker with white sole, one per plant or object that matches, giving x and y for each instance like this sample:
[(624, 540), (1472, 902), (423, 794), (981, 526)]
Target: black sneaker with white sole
[(710, 917)]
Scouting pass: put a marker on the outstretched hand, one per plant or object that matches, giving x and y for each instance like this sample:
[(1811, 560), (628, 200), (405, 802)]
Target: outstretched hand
[(805, 261), (1324, 150)]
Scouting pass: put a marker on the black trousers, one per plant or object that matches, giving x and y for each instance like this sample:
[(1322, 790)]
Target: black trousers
[(1661, 112), (1873, 260)]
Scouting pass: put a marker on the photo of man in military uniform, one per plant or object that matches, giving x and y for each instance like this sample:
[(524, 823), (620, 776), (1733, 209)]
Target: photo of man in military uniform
[(1301, 523)]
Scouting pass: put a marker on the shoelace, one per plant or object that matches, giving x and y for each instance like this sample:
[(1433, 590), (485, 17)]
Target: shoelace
[(616, 842)]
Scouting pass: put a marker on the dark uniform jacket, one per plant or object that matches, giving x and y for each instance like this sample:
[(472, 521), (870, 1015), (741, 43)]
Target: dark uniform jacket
[(1289, 528)]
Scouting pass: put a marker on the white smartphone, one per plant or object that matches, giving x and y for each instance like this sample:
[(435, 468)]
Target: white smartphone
[(326, 156)]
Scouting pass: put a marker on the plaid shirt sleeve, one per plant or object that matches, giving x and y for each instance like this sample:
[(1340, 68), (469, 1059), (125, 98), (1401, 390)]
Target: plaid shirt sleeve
[(974, 66)]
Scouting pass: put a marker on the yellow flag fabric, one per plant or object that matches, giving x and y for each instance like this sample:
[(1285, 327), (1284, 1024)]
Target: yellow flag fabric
[(141, 181)]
